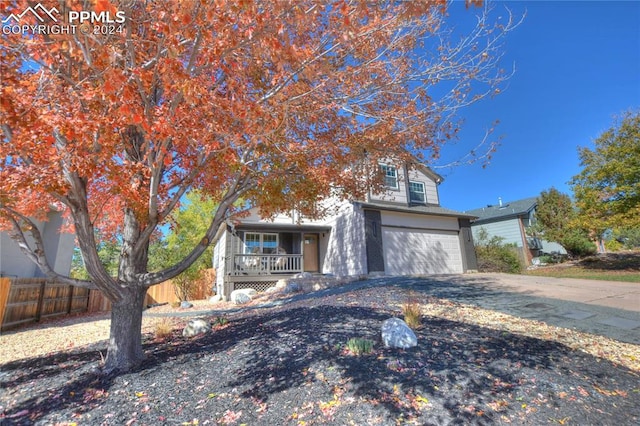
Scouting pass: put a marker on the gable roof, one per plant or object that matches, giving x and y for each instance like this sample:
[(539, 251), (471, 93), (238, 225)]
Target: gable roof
[(416, 164), (505, 211), (427, 171)]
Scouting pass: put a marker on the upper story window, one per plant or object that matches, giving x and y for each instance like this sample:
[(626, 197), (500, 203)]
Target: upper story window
[(390, 176), (256, 243), (416, 192)]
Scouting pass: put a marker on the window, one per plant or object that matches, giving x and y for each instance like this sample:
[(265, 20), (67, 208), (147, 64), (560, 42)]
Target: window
[(416, 192), (390, 176), (260, 243)]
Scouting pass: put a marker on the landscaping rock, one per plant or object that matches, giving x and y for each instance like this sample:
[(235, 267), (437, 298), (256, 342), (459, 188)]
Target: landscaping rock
[(215, 299), (249, 292), (241, 296), (303, 275), (292, 287), (196, 327), (397, 334), (186, 305)]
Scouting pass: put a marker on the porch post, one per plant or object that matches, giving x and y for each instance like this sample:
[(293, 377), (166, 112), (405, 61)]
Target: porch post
[(231, 265), (302, 251)]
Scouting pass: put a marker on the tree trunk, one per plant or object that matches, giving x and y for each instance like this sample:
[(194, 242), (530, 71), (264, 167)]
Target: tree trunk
[(124, 351)]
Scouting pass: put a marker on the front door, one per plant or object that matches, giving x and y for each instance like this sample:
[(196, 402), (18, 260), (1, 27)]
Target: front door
[(310, 253)]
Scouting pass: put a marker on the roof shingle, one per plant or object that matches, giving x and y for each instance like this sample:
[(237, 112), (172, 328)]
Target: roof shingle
[(498, 212)]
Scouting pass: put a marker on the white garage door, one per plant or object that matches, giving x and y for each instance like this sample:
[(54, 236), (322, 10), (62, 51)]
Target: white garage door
[(418, 252)]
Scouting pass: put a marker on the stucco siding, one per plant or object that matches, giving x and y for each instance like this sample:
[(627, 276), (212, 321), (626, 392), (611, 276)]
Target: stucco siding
[(346, 253), (509, 230), (58, 246), (13, 263), (58, 250)]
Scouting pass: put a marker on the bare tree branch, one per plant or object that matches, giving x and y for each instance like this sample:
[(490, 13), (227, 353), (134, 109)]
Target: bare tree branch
[(36, 254)]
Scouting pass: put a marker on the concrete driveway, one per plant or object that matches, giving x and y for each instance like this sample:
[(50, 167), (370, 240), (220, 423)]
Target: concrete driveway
[(612, 294), (607, 308)]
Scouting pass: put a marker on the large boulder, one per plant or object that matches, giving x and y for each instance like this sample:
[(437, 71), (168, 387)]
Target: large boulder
[(397, 334), (242, 296), (196, 327), (250, 292)]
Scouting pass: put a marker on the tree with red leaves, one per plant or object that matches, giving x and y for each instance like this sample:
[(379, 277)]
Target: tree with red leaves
[(270, 102)]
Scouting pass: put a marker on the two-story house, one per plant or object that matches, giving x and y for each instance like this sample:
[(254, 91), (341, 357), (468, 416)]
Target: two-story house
[(403, 231)]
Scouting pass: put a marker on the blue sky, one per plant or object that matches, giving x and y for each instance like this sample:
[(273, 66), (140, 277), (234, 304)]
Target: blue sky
[(577, 66)]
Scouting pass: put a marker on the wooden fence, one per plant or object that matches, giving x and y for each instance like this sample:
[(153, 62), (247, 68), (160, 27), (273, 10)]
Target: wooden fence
[(27, 300), (161, 293)]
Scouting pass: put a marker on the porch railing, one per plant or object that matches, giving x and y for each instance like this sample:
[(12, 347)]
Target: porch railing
[(266, 264)]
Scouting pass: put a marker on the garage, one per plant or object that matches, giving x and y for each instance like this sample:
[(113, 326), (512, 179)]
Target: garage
[(421, 251)]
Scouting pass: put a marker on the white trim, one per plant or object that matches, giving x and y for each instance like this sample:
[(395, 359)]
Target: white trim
[(424, 192), (385, 169), (245, 248)]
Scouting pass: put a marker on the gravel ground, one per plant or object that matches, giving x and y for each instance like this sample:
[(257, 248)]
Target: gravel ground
[(289, 365)]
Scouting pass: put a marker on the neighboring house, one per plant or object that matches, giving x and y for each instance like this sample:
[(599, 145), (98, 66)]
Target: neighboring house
[(512, 221), (402, 232), (58, 248)]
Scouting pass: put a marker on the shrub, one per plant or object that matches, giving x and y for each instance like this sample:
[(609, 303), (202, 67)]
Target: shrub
[(613, 245), (501, 259), (360, 346), (184, 286), (220, 322), (494, 256), (553, 258), (163, 329), (412, 312), (577, 244), (628, 237)]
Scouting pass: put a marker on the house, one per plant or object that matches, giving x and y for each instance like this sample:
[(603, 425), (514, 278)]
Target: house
[(512, 222), (58, 248), (403, 231)]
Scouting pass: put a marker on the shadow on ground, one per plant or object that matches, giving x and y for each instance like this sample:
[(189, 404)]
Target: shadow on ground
[(289, 366)]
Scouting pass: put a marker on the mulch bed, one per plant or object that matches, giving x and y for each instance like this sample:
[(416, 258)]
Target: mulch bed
[(289, 365)]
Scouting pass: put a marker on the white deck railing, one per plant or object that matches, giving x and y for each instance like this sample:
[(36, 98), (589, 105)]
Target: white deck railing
[(266, 264)]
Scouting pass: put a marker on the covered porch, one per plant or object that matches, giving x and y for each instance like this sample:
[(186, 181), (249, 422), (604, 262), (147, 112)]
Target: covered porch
[(267, 264), (259, 255)]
